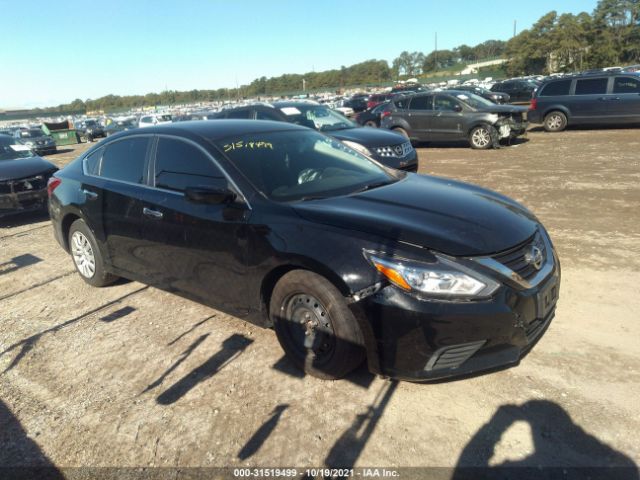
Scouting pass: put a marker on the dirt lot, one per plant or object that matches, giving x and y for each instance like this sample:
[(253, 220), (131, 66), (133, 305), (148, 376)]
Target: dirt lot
[(133, 376)]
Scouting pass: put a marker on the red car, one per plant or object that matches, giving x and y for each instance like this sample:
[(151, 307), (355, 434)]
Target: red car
[(377, 99)]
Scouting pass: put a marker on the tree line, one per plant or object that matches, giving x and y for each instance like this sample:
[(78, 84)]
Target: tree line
[(609, 36)]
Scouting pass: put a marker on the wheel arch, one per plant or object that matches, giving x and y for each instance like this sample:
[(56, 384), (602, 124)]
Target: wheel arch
[(556, 108), (65, 226)]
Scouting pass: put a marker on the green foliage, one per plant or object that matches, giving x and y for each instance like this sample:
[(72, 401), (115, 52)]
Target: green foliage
[(567, 43)]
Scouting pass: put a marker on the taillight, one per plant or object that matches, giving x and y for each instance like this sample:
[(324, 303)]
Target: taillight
[(52, 184), (534, 104), (385, 114)]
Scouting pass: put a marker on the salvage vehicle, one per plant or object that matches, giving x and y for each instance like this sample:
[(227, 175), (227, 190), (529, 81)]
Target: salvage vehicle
[(36, 140), (120, 125), (388, 148), (453, 115), (610, 98), (288, 228), (152, 120), (495, 97), (23, 178), (89, 130), (519, 90), (373, 116)]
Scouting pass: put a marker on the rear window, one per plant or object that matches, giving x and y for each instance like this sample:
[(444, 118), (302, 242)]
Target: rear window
[(626, 85), (591, 86), (423, 102), (560, 87)]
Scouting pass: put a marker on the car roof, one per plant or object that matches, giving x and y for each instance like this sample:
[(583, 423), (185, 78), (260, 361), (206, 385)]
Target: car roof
[(296, 103), (215, 129)]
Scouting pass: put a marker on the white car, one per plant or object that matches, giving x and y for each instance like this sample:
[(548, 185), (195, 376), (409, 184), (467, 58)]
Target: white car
[(155, 119)]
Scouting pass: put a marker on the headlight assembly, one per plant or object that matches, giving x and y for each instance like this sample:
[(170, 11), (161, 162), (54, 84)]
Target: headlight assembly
[(444, 278)]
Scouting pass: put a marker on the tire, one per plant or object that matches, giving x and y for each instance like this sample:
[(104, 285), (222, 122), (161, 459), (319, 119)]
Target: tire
[(482, 137), (401, 131), (314, 325), (86, 256), (370, 123), (555, 121)]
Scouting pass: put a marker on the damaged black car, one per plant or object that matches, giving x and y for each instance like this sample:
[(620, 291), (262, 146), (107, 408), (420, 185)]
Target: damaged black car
[(23, 178), (346, 259), (454, 115)]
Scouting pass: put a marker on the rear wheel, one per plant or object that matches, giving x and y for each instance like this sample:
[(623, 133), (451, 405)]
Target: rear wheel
[(314, 325), (87, 257), (555, 121), (481, 137)]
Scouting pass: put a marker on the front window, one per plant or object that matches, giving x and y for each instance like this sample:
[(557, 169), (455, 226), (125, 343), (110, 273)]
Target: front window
[(318, 117), (31, 133), (474, 101), (302, 165), (10, 150)]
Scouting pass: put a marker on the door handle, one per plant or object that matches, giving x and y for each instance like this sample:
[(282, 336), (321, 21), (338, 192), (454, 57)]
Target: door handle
[(90, 195), (152, 213)]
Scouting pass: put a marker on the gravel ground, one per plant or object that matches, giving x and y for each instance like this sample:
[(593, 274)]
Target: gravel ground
[(133, 376)]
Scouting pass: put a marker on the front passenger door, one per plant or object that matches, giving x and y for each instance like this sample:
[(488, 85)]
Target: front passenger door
[(447, 122), (195, 248)]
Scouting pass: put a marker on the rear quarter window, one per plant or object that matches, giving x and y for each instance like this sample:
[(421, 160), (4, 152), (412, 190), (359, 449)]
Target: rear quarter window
[(552, 89), (626, 85)]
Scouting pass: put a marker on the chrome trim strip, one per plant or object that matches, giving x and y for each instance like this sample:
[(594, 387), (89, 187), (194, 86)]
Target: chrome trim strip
[(543, 273)]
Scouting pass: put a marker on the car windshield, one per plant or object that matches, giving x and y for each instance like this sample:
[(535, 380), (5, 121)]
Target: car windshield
[(300, 165), (317, 116), (10, 149), (32, 133), (90, 123), (474, 101)]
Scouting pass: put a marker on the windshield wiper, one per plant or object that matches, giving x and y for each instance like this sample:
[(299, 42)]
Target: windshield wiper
[(371, 186)]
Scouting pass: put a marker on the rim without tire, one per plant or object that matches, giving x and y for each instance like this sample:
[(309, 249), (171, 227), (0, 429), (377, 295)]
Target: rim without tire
[(83, 255)]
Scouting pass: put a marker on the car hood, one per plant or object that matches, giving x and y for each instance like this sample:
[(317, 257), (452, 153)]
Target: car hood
[(503, 109), (24, 167), (36, 139), (437, 213), (369, 137)]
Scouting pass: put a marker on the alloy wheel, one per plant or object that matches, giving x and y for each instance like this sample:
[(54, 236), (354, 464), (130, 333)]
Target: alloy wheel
[(554, 122), (83, 255), (481, 137)]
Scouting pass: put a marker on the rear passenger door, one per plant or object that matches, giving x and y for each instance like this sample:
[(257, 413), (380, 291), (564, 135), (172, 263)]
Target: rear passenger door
[(591, 101), (625, 104), (194, 248)]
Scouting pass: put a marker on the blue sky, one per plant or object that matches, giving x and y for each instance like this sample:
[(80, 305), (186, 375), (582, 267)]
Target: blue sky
[(59, 50)]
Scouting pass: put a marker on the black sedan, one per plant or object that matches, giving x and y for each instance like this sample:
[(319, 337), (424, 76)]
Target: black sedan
[(23, 178), (388, 148), (36, 140), (373, 116), (287, 228)]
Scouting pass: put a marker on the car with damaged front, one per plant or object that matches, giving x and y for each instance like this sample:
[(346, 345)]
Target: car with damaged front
[(454, 115), (23, 178), (36, 140), (285, 227)]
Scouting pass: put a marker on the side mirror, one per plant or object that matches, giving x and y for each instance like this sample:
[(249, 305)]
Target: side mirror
[(457, 108), (211, 196)]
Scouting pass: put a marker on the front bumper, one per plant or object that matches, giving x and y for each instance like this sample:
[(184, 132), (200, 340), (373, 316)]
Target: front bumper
[(12, 203), (419, 340), (408, 162), (44, 149)]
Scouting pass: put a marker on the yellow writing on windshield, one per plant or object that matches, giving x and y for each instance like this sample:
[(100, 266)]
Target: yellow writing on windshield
[(247, 144)]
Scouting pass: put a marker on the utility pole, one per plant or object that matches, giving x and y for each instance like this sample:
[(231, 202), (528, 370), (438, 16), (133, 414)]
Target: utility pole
[(304, 85), (514, 28), (435, 55)]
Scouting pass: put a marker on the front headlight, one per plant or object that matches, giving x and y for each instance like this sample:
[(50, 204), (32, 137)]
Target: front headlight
[(30, 143), (444, 278), (358, 148)]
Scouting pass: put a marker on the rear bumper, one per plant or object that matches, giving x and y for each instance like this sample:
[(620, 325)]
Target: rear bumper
[(420, 340), (534, 116)]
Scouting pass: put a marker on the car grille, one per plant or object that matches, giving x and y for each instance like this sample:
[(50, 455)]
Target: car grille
[(517, 259), (30, 184), (398, 151)]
